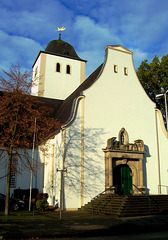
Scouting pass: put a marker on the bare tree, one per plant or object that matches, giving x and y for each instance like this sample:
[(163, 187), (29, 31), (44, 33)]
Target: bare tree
[(18, 110)]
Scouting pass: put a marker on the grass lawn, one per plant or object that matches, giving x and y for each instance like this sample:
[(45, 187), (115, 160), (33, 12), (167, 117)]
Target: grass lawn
[(25, 224), (44, 215)]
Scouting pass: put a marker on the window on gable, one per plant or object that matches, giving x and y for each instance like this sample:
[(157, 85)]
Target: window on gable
[(68, 69), (58, 67), (126, 71), (115, 68)]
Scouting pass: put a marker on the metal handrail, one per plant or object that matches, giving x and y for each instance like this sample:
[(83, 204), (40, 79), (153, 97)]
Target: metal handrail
[(98, 195), (110, 188), (144, 195), (159, 188)]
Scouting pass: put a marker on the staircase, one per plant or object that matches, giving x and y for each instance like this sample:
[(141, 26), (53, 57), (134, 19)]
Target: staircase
[(131, 205)]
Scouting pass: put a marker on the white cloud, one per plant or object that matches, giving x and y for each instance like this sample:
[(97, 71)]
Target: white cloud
[(35, 19), (17, 49), (28, 26), (92, 39), (94, 59), (145, 23), (138, 56), (92, 35)]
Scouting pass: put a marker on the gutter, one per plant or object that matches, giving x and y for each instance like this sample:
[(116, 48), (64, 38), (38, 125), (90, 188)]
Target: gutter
[(73, 111), (158, 151)]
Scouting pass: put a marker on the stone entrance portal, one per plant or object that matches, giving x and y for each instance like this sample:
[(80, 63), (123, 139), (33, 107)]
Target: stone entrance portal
[(122, 157)]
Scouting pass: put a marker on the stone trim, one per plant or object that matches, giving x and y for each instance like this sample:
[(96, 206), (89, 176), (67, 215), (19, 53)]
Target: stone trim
[(130, 154)]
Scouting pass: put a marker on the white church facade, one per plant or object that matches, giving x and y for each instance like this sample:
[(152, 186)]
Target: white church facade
[(111, 135)]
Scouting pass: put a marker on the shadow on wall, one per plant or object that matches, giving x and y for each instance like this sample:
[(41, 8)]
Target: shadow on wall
[(93, 160), (146, 155), (50, 178), (21, 167)]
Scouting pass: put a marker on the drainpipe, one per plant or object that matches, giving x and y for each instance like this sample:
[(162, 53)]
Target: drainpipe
[(158, 152)]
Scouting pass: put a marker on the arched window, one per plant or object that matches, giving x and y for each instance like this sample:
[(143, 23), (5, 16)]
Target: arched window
[(115, 69), (58, 67), (126, 71), (123, 136), (68, 69)]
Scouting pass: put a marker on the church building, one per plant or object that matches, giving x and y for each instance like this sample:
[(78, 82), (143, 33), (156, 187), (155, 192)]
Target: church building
[(112, 136)]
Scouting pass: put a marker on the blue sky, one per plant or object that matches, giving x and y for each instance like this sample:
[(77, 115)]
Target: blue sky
[(27, 26)]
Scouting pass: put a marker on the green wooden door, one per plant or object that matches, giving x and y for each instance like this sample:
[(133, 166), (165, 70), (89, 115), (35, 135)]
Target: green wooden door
[(126, 180), (122, 180)]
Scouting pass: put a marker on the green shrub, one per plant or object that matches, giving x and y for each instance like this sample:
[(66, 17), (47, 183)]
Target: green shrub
[(41, 196), (42, 205)]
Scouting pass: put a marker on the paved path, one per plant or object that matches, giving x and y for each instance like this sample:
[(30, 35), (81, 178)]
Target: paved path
[(146, 236)]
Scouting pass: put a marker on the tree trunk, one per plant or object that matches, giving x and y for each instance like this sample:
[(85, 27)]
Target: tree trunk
[(10, 166), (8, 184)]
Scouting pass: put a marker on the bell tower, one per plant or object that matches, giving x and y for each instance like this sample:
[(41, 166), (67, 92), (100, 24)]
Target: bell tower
[(57, 71)]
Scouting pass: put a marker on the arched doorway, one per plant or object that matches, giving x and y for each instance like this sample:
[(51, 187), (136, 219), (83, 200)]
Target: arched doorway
[(122, 179)]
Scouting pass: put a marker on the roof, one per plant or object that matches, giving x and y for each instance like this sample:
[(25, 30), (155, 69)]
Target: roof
[(28, 109), (119, 48), (60, 48), (54, 104)]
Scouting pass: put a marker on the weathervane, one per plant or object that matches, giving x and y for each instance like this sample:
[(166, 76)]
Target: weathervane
[(60, 30)]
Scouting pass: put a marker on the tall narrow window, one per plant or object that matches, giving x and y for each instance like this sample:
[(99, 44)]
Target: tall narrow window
[(126, 71), (68, 69), (122, 139), (58, 67), (115, 68)]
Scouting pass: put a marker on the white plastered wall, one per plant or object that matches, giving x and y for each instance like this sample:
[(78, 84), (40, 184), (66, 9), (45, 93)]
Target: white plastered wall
[(22, 176), (163, 153), (115, 101), (73, 164), (52, 161), (35, 77), (60, 84), (52, 84)]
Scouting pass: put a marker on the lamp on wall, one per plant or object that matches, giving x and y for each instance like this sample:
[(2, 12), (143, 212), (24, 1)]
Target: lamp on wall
[(165, 97)]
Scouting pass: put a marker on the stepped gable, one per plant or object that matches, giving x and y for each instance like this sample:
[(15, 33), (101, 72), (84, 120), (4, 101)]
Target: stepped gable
[(66, 107)]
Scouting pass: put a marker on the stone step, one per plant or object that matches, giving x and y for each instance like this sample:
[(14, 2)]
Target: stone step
[(132, 205)]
